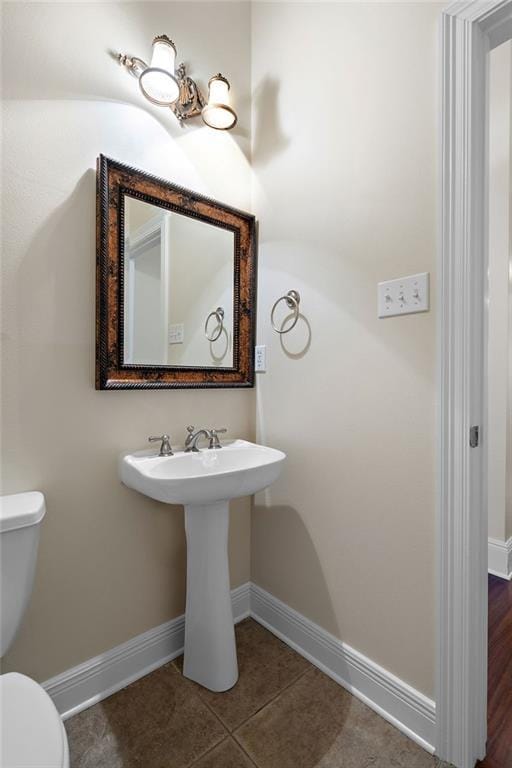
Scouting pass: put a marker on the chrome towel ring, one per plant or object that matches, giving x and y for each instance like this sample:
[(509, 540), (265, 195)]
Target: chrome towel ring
[(292, 299), (219, 316)]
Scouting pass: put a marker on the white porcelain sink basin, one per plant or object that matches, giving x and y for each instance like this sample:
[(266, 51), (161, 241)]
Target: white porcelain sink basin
[(204, 482), (239, 468)]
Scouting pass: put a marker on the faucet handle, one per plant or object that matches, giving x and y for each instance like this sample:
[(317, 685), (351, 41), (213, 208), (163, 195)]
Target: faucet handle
[(165, 448), (214, 437)]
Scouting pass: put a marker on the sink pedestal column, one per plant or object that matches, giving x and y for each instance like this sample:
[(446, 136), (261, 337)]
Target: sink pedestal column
[(210, 649)]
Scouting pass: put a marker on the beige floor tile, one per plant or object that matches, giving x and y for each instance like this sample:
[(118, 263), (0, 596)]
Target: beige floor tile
[(157, 722), (227, 755), (266, 666), (317, 724)]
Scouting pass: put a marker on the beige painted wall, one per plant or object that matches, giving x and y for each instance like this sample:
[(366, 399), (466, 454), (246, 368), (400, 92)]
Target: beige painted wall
[(112, 563), (345, 122), (500, 287)]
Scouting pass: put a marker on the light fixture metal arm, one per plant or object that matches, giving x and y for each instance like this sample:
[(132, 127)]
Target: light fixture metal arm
[(133, 64)]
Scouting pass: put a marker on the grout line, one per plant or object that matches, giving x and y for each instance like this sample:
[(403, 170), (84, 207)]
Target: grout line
[(271, 701), (243, 749), (228, 736), (207, 705), (208, 751), (197, 694), (266, 704)]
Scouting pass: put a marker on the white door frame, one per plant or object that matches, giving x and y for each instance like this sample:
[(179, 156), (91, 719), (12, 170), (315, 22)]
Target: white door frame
[(153, 232), (469, 31)]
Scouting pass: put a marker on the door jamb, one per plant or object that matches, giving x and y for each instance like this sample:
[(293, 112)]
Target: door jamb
[(469, 30)]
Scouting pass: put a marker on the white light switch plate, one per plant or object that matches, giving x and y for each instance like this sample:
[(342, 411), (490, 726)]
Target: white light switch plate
[(260, 358), (176, 333), (404, 296)]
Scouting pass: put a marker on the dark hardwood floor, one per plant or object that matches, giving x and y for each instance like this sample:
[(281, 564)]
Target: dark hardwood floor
[(499, 736)]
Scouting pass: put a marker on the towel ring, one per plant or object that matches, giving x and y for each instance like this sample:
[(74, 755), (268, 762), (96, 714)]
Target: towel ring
[(219, 315), (292, 299)]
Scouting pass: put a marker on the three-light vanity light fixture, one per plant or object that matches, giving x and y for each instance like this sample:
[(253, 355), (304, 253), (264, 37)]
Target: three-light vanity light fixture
[(165, 86)]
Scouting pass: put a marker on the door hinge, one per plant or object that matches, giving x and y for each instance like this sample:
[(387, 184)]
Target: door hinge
[(474, 434)]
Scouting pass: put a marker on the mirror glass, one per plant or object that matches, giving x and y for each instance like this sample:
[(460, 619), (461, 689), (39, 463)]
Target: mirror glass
[(178, 289)]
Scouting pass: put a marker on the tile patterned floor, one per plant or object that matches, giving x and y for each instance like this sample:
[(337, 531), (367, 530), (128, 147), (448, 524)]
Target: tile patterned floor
[(283, 713)]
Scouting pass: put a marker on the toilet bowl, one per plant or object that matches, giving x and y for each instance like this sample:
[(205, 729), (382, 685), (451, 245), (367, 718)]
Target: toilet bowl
[(32, 731)]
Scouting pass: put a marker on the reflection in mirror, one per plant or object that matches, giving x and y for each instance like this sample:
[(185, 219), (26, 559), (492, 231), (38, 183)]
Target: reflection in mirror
[(178, 274)]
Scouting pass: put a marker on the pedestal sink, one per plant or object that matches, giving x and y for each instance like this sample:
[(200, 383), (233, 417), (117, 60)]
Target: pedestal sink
[(204, 482)]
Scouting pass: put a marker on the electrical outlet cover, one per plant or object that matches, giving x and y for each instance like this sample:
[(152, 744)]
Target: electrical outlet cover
[(260, 358), (176, 333), (404, 296)]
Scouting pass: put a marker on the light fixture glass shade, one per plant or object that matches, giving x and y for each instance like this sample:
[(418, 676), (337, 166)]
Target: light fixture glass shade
[(217, 113), (157, 82)]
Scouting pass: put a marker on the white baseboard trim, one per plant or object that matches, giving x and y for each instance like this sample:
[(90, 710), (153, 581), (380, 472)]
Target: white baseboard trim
[(86, 684), (397, 702), (500, 558)]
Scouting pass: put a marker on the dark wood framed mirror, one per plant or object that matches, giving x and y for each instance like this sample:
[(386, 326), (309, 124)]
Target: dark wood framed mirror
[(175, 285)]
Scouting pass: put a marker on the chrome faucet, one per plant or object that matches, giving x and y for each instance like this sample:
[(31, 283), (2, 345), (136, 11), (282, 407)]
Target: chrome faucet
[(193, 437), (210, 434), (165, 447)]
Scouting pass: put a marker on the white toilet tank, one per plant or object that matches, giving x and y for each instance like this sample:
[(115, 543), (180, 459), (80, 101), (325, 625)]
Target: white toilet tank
[(20, 518)]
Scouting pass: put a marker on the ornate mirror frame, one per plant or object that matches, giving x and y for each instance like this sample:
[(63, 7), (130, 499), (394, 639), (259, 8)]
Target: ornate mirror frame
[(114, 180)]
